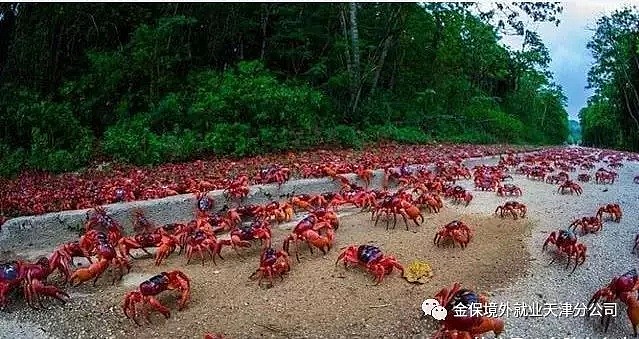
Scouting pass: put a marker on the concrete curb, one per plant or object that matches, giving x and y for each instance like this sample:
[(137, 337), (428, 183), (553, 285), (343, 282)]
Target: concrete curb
[(52, 229)]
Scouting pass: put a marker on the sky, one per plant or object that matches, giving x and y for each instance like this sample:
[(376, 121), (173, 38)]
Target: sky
[(571, 60)]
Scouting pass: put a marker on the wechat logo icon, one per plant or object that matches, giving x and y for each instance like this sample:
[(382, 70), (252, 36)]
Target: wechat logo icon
[(431, 307)]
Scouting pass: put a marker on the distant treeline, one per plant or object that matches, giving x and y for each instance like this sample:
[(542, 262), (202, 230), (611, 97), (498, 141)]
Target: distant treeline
[(611, 118), (153, 83)]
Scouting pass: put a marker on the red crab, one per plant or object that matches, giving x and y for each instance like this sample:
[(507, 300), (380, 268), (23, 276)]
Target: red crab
[(243, 235), (120, 194), (554, 179), (464, 326), (238, 189), (307, 202), (587, 225), (32, 277), (570, 187), (508, 190), (398, 205), (274, 174), (614, 210), (456, 231), (393, 174), (279, 212), (372, 259), (615, 164), (566, 242), (362, 199), (97, 242), (432, 201), (563, 176), (537, 174), (141, 224), (622, 288), (219, 223), (200, 241), (365, 174), (101, 221), (149, 289), (165, 244), (603, 176), (308, 230), (486, 183), (272, 264), (583, 177), (327, 215), (514, 208), (62, 258), (463, 197)]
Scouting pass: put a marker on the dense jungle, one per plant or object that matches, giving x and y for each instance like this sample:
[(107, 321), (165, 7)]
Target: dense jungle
[(152, 83)]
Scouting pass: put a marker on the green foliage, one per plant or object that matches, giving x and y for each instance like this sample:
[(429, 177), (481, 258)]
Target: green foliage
[(12, 160), (575, 132), (147, 84), (472, 137), (253, 95), (610, 118), (404, 135), (132, 141), (41, 135), (343, 135), (230, 139)]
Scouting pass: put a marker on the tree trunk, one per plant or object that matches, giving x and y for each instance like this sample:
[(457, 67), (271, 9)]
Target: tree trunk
[(392, 26), (7, 29), (629, 107), (355, 39), (347, 52), (354, 32), (636, 96), (265, 15), (380, 65)]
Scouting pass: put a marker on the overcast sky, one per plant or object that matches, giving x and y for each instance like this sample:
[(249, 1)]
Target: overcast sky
[(567, 44)]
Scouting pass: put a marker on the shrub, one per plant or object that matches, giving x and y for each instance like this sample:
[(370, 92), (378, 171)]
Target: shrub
[(254, 96), (230, 139), (343, 135), (132, 141), (179, 146), (405, 135), (471, 137), (11, 160)]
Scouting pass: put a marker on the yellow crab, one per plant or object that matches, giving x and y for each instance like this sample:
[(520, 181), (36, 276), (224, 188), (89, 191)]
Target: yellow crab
[(418, 272)]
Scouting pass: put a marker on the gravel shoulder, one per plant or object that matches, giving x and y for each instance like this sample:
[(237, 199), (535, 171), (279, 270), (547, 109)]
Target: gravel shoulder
[(609, 255), (318, 299)]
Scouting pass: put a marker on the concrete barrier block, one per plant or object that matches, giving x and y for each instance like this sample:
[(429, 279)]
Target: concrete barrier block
[(52, 229)]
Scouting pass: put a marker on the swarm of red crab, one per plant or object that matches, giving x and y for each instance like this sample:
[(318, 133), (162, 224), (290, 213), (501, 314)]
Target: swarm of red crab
[(106, 245), (37, 193)]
